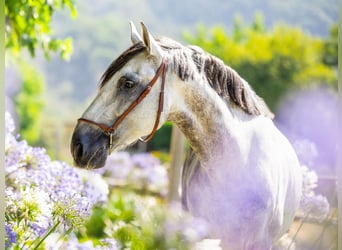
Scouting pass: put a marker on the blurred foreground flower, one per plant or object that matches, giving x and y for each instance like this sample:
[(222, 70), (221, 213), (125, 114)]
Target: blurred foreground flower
[(312, 206), (48, 204), (44, 196), (141, 172), (309, 118), (144, 222)]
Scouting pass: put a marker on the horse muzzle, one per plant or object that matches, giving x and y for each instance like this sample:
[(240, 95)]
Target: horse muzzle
[(89, 147)]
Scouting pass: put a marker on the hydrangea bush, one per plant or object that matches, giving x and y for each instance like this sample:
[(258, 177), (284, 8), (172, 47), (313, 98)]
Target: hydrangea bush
[(314, 207), (141, 172), (44, 197), (51, 205), (143, 223)]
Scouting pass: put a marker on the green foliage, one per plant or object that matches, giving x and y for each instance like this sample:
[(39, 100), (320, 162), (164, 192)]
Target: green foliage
[(161, 141), (142, 222), (273, 62), (95, 225), (29, 102), (28, 26), (330, 47)]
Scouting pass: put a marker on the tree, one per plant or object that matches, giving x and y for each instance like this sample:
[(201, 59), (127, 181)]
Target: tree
[(29, 102), (273, 62), (28, 25), (330, 47)]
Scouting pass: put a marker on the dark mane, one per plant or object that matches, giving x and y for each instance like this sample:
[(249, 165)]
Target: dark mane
[(186, 61), (229, 84)]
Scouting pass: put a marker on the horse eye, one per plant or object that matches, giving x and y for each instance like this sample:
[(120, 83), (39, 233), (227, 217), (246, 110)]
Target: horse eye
[(129, 84), (124, 82)]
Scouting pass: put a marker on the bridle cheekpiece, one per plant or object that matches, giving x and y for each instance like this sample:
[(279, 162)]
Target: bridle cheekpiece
[(110, 130)]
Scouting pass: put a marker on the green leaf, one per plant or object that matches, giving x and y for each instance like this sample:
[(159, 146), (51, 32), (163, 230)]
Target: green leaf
[(28, 26)]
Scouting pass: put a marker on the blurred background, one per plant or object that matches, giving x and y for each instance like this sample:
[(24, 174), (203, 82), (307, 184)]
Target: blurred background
[(287, 51)]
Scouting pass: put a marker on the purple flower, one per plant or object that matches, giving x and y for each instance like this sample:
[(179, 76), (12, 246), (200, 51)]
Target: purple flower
[(9, 125), (95, 189), (310, 179), (145, 160), (118, 165), (15, 156), (38, 228), (315, 207), (51, 192), (157, 179), (141, 170), (180, 223), (306, 151), (10, 140), (11, 236)]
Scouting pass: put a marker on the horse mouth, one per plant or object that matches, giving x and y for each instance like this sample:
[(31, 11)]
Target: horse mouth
[(94, 160), (89, 148)]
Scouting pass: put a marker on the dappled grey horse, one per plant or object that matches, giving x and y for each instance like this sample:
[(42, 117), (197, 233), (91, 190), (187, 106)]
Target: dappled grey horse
[(241, 175)]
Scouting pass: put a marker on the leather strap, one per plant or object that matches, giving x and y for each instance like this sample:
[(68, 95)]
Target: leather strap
[(109, 130)]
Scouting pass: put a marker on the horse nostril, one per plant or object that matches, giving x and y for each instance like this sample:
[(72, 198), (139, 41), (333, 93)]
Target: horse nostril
[(88, 148), (78, 150)]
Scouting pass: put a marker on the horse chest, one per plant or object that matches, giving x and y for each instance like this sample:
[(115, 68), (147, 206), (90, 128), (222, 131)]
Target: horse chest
[(232, 208), (228, 191), (242, 193)]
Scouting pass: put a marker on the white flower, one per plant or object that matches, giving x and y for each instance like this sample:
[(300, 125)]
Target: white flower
[(43, 201), (158, 179), (310, 179), (95, 187), (315, 207), (108, 244), (311, 205), (306, 151)]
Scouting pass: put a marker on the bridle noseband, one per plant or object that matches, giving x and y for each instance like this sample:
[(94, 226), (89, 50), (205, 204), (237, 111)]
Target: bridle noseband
[(109, 130)]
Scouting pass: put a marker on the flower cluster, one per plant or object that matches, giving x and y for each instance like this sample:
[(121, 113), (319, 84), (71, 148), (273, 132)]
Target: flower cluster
[(310, 179), (188, 228), (43, 196), (51, 205), (143, 222), (312, 206), (140, 171)]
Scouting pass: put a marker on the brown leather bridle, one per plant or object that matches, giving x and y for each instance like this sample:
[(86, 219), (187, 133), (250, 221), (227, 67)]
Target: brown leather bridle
[(109, 130)]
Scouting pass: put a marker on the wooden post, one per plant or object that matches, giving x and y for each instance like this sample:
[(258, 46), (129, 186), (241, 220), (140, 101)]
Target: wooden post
[(177, 159)]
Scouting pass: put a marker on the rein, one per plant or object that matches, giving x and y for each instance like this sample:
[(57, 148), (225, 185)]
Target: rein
[(109, 130)]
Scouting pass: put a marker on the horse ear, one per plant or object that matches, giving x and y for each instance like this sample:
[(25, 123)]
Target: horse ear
[(135, 37), (150, 43)]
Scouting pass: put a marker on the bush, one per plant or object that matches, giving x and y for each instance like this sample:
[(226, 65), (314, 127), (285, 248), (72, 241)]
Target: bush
[(29, 102), (274, 62), (51, 205), (44, 197)]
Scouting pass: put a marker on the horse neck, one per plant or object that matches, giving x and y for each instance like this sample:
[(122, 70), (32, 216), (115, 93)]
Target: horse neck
[(209, 124)]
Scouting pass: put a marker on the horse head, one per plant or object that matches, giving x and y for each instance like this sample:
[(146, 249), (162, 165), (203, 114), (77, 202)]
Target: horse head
[(129, 104)]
